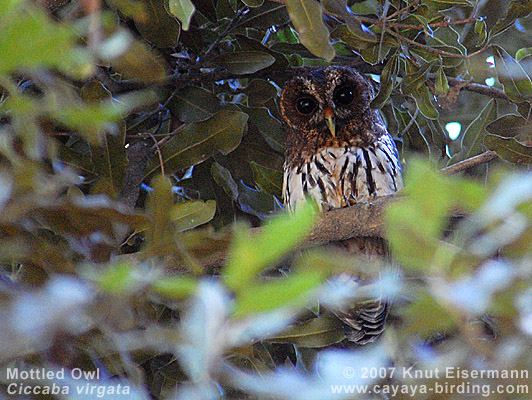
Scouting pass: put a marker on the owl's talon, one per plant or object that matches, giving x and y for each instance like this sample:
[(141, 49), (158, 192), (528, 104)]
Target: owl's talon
[(352, 200)]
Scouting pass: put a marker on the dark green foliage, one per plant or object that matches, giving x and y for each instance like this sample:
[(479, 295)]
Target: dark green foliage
[(140, 142)]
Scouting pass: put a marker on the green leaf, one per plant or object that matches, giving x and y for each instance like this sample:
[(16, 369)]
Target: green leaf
[(425, 316), (190, 214), (259, 91), (423, 97), (141, 63), (110, 162), (116, 279), (416, 77), (307, 18), (175, 287), (268, 180), (74, 159), (253, 3), (95, 91), (414, 137), (510, 126), (388, 76), (516, 82), (472, 138), (30, 40), (245, 62), (522, 53), (222, 176), (193, 104), (198, 141), (249, 44), (158, 26), (509, 149), (339, 7), (293, 291), (247, 257), (256, 202), (270, 128), (442, 84), (159, 232), (481, 31), (183, 10), (315, 333), (365, 7), (269, 14), (441, 5), (517, 9)]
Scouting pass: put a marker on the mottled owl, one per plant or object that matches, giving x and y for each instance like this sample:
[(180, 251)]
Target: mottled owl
[(339, 152)]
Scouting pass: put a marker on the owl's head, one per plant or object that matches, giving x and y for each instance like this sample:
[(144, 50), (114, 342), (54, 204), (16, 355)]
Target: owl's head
[(325, 101)]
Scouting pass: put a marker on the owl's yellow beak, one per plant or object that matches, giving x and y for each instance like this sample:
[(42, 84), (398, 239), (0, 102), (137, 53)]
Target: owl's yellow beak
[(329, 120)]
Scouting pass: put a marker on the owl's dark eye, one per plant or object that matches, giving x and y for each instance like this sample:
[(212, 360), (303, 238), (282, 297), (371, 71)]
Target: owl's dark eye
[(343, 95), (306, 105)]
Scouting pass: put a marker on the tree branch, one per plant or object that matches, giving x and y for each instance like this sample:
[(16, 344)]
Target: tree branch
[(475, 161)]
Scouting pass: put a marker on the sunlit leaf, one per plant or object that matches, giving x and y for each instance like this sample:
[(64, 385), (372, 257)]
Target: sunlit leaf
[(190, 214), (141, 63), (266, 296), (248, 257), (426, 316), (307, 17), (522, 53), (175, 287), (29, 40), (183, 10)]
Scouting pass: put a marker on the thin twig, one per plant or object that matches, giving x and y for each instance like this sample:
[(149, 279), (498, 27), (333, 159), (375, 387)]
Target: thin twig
[(410, 123), (159, 154), (475, 161), (433, 50), (226, 31), (401, 11)]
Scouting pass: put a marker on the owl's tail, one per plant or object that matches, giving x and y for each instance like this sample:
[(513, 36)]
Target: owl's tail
[(365, 320)]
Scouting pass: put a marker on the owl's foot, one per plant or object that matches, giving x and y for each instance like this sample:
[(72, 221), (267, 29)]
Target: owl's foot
[(326, 206)]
